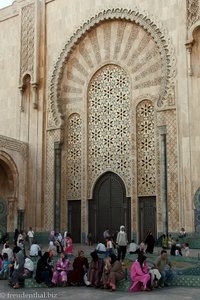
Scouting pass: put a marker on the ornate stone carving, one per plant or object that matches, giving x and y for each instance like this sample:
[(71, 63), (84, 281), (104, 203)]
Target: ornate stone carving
[(15, 145), (109, 125), (168, 118), (197, 210), (153, 35), (27, 40), (52, 137), (193, 12), (73, 158), (146, 166)]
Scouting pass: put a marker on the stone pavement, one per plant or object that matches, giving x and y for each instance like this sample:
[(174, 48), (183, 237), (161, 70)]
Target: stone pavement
[(86, 293)]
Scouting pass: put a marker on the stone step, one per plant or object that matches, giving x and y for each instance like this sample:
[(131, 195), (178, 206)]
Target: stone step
[(186, 280)]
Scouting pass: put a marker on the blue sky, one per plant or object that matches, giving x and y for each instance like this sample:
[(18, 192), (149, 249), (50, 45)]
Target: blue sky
[(4, 3)]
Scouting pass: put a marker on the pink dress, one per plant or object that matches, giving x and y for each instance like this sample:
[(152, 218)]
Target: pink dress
[(139, 276), (60, 275), (68, 248)]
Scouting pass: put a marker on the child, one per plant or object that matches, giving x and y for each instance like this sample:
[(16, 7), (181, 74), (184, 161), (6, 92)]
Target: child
[(178, 251), (109, 247), (187, 250), (6, 265)]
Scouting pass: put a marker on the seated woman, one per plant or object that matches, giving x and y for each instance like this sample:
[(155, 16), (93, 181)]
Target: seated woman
[(62, 267), (112, 272), (44, 270), (182, 233), (68, 244), (59, 247), (17, 274), (140, 275), (28, 268), (52, 248), (95, 270), (80, 267)]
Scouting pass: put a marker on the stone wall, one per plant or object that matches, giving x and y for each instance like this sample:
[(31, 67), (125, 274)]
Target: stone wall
[(51, 56)]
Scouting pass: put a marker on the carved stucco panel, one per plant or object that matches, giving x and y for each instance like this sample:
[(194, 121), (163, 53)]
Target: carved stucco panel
[(52, 137), (168, 118), (109, 125), (193, 12), (27, 39)]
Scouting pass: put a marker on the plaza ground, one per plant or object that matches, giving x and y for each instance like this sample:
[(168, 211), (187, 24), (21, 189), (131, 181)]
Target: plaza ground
[(85, 293)]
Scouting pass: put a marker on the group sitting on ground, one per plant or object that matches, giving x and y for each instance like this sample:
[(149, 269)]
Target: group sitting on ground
[(104, 270)]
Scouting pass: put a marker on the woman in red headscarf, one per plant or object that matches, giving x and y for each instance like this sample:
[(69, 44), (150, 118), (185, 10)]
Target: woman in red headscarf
[(80, 267)]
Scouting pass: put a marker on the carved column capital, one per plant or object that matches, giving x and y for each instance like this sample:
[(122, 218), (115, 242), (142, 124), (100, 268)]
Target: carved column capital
[(189, 45), (35, 89)]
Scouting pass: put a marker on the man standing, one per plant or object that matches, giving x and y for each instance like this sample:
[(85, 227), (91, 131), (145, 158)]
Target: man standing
[(164, 266), (121, 242), (30, 235), (106, 233)]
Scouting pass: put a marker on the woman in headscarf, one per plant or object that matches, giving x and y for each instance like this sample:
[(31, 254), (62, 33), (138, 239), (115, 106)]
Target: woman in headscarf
[(112, 272), (140, 275), (95, 270), (80, 267), (150, 242), (68, 244), (44, 270), (17, 274), (121, 242), (62, 267)]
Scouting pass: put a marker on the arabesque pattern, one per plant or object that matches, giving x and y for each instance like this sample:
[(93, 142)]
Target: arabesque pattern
[(146, 167), (73, 158), (109, 124), (168, 118)]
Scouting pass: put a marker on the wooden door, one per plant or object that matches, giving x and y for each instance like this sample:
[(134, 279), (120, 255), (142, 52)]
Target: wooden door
[(109, 206), (147, 216), (74, 220)]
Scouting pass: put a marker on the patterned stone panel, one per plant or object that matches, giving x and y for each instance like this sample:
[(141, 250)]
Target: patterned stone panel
[(73, 158), (197, 210), (134, 38), (193, 12), (52, 137), (109, 124), (121, 40), (27, 39), (168, 118), (146, 168)]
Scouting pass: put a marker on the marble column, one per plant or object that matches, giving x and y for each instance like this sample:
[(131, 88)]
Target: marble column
[(57, 185), (163, 169), (11, 220)]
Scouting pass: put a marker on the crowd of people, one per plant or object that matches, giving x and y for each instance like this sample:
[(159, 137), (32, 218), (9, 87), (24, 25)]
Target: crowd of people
[(59, 266)]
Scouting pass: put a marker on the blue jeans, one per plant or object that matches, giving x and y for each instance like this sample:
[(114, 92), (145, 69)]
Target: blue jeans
[(166, 276), (108, 252)]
